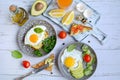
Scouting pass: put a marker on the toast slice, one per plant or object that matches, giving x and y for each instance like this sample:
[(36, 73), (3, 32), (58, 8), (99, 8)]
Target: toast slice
[(78, 28), (49, 60)]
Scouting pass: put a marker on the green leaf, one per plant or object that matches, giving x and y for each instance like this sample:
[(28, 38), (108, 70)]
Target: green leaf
[(85, 48), (88, 52), (16, 54), (71, 47), (87, 72), (37, 53), (46, 49), (38, 30), (90, 67), (49, 43)]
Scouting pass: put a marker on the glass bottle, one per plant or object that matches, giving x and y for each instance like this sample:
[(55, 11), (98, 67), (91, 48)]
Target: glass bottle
[(18, 15)]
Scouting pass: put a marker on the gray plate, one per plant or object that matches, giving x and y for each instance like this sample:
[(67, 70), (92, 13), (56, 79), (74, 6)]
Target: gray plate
[(23, 30), (64, 70)]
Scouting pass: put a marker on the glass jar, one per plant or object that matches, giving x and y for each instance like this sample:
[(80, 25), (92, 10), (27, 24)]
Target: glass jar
[(18, 15)]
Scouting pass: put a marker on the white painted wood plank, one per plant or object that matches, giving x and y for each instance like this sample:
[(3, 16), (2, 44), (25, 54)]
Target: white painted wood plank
[(44, 77), (33, 77)]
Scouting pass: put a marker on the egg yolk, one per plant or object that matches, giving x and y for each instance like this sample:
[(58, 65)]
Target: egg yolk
[(69, 62), (33, 38)]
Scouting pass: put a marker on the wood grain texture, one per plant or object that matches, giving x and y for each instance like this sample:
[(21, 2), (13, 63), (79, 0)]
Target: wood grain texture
[(108, 54)]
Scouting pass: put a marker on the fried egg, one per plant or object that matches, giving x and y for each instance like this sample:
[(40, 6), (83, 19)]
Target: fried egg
[(71, 59), (34, 38)]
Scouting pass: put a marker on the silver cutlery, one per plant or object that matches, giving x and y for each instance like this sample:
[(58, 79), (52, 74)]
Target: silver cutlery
[(32, 72)]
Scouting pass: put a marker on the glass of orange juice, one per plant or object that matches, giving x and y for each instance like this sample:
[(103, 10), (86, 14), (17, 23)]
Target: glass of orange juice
[(63, 4)]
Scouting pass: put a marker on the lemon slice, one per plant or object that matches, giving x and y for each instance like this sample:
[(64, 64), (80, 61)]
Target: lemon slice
[(68, 18), (57, 13)]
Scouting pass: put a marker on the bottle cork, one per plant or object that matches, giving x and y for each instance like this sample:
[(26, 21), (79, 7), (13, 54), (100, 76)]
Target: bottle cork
[(13, 8)]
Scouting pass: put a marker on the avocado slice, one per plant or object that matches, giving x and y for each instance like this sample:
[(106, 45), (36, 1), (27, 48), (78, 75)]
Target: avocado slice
[(38, 7), (78, 71), (77, 76)]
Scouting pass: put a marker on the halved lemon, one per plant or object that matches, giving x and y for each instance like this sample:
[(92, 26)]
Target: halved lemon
[(57, 13), (68, 18)]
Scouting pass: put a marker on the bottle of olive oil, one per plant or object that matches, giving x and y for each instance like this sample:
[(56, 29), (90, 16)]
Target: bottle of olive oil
[(18, 15)]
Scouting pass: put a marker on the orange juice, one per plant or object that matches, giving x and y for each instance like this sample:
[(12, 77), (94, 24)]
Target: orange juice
[(64, 3)]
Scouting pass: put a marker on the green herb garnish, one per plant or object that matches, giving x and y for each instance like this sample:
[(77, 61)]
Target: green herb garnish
[(37, 53), (85, 48), (49, 43), (38, 30), (87, 72), (16, 54), (71, 47)]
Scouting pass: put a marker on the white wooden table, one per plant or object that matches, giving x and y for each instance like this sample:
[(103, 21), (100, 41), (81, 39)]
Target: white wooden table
[(108, 54)]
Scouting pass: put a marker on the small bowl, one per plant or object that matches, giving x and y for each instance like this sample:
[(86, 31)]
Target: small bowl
[(23, 30), (64, 71)]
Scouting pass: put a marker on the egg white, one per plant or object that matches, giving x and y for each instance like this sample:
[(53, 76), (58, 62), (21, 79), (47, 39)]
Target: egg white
[(40, 35), (76, 54)]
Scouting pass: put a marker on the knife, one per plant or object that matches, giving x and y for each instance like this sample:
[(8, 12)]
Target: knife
[(33, 72)]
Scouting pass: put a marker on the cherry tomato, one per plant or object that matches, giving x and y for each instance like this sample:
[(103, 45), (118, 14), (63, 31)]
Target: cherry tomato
[(62, 34), (87, 58), (26, 64)]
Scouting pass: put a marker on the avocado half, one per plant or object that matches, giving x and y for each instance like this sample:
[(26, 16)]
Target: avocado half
[(38, 7)]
